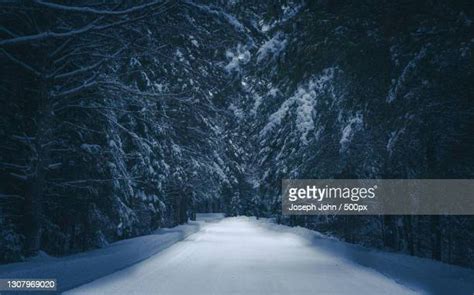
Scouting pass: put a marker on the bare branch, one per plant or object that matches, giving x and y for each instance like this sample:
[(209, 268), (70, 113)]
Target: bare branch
[(46, 35), (86, 9), (21, 63), (3, 196), (86, 85), (88, 68), (84, 29)]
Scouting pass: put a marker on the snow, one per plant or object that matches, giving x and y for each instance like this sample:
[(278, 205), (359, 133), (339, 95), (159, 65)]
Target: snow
[(272, 48), (273, 92), (256, 104), (394, 135), (289, 11), (242, 255), (176, 149), (277, 117), (194, 41), (219, 172), (421, 275), (241, 55), (305, 98), (179, 55), (211, 9), (238, 113), (75, 270), (407, 72), (354, 124), (41, 257), (304, 119)]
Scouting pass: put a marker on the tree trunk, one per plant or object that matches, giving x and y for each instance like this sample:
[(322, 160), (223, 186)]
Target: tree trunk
[(34, 200), (34, 212), (435, 237), (409, 235), (387, 232)]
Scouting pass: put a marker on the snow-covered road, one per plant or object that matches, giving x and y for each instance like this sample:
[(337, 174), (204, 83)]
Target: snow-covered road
[(241, 256)]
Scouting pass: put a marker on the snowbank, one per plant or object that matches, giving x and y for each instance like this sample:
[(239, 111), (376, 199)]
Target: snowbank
[(78, 269), (364, 265), (238, 256), (420, 274)]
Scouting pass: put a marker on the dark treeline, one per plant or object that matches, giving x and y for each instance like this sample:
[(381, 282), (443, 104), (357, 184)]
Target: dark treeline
[(120, 117), (111, 121), (367, 89)]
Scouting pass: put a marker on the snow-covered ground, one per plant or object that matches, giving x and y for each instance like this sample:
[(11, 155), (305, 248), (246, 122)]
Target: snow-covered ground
[(75, 270), (245, 256), (242, 255)]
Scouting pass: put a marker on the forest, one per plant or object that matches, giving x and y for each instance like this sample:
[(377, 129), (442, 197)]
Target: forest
[(120, 117)]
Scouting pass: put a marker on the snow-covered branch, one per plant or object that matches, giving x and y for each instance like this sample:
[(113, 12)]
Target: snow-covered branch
[(92, 26), (87, 9), (86, 69), (84, 86), (48, 34)]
